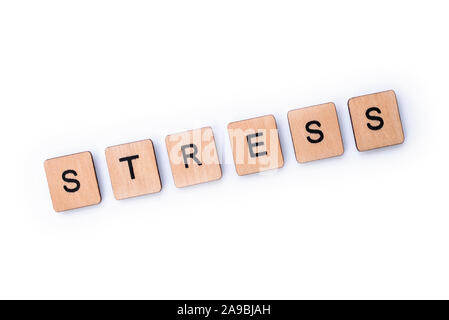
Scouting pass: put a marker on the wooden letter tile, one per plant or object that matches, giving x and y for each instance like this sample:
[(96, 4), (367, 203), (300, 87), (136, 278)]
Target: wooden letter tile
[(375, 120), (255, 145), (133, 169), (315, 132), (72, 181), (193, 157)]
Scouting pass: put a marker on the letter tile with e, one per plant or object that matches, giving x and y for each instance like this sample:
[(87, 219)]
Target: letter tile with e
[(193, 157), (255, 145)]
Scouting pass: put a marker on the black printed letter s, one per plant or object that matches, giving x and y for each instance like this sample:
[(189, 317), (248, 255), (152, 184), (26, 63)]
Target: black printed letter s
[(78, 185), (315, 131), (376, 118)]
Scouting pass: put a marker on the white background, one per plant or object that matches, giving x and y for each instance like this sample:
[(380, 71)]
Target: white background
[(85, 75)]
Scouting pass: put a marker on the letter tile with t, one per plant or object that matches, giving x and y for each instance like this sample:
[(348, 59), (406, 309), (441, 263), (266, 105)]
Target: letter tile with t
[(72, 181), (193, 157), (133, 169), (255, 145)]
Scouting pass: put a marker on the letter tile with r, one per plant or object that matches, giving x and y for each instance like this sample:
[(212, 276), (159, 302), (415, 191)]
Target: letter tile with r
[(193, 157)]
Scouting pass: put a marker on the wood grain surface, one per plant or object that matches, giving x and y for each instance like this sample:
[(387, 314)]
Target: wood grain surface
[(315, 132), (375, 120), (133, 169), (72, 181), (255, 145), (193, 157)]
